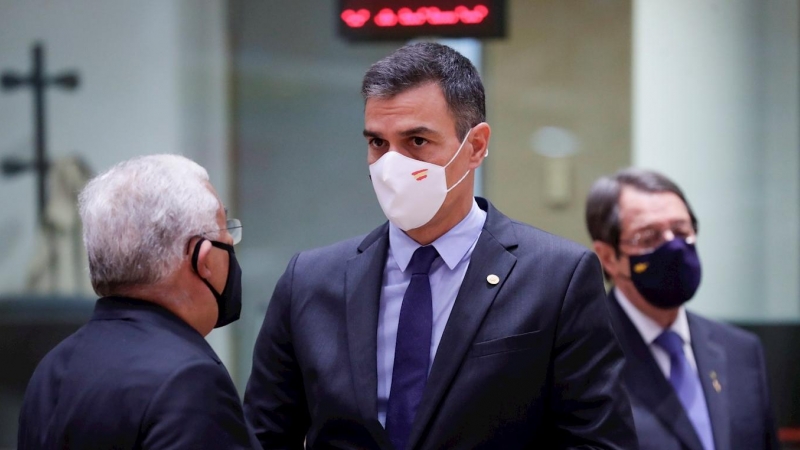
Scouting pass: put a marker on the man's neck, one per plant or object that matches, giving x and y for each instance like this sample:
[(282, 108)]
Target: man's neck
[(663, 317), (150, 294), (441, 223), (167, 296)]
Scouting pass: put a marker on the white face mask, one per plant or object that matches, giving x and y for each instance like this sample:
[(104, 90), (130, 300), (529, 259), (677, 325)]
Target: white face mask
[(410, 191)]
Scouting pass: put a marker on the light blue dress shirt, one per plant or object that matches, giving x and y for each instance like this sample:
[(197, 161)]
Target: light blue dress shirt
[(455, 249)]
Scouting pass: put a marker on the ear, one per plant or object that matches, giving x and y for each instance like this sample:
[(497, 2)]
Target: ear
[(608, 257), (203, 267), (479, 140)]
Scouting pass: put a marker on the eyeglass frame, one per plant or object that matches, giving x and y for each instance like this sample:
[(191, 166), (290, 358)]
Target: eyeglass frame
[(682, 230), (234, 227)]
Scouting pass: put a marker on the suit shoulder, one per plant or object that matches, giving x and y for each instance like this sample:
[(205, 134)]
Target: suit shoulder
[(149, 348), (205, 368), (62, 351), (529, 235), (731, 335), (327, 260), (341, 249)]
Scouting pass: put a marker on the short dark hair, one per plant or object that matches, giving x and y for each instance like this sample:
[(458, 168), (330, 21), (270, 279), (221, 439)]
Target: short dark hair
[(602, 204), (427, 62)]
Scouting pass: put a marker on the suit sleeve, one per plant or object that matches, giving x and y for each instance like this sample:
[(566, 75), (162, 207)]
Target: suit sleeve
[(770, 431), (274, 401), (591, 409), (197, 407)]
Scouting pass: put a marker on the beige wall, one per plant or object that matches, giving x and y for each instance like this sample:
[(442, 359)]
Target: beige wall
[(564, 64)]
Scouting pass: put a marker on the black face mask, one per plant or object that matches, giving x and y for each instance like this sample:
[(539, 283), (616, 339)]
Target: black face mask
[(229, 302), (668, 277)]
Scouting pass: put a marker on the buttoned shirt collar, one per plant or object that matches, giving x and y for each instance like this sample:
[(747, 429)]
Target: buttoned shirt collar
[(648, 328), (452, 246)]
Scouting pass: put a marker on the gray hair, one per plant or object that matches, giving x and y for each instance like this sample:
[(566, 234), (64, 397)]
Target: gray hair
[(138, 216), (427, 62), (602, 204)]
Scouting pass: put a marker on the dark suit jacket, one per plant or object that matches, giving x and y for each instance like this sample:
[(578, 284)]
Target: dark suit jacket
[(530, 362), (135, 377), (739, 405)]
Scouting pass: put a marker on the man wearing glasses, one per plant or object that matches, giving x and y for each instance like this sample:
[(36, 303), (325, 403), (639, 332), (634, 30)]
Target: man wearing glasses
[(140, 374), (693, 383)]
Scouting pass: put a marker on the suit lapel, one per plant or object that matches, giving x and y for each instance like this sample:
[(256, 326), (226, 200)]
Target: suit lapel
[(711, 364), (644, 379), (490, 256), (363, 280)]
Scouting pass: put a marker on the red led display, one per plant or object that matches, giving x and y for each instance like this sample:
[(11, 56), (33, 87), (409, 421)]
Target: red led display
[(398, 20)]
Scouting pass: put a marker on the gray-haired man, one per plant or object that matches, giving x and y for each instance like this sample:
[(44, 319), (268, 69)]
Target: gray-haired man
[(140, 375)]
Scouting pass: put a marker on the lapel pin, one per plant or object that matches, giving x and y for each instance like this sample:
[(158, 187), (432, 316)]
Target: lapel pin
[(493, 279), (715, 382)]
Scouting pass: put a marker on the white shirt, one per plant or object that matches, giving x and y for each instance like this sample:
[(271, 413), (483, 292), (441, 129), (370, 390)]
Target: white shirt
[(650, 330)]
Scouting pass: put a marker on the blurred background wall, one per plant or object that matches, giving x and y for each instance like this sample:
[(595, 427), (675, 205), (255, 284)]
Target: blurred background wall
[(302, 179), (265, 95), (715, 107), (154, 78), (559, 102)]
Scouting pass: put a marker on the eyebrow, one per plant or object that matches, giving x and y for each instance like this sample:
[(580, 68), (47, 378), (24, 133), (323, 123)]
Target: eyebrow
[(418, 130), (655, 227), (405, 133)]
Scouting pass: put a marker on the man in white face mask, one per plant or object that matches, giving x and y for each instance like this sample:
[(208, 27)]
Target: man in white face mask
[(450, 325)]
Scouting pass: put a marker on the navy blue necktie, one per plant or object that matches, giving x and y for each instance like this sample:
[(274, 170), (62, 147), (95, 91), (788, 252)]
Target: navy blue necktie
[(687, 385), (412, 350)]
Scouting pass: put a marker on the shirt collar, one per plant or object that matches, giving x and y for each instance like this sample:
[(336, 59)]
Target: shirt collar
[(647, 327), (452, 246)]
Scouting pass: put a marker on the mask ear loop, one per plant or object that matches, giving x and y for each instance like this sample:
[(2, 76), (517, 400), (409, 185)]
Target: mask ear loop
[(458, 182), (453, 159), (459, 149), (196, 254)]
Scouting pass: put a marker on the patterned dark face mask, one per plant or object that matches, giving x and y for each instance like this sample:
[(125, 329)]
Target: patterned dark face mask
[(669, 276)]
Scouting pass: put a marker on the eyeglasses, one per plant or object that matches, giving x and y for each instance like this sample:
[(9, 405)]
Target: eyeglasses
[(649, 239), (234, 227)]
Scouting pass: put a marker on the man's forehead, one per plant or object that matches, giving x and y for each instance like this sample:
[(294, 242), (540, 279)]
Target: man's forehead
[(640, 209), (401, 124), (408, 131), (418, 99), (222, 214)]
